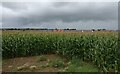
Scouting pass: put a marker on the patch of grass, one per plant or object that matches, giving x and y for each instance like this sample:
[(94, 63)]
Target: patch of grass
[(87, 68), (76, 65), (76, 61), (57, 63), (43, 58), (72, 68)]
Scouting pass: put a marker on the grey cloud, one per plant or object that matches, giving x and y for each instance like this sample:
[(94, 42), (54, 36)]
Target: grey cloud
[(67, 12), (14, 6)]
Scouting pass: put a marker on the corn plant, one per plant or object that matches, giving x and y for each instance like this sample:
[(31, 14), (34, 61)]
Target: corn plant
[(100, 48)]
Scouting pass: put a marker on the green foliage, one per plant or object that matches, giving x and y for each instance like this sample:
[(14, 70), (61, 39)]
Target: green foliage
[(43, 58), (77, 65), (101, 49)]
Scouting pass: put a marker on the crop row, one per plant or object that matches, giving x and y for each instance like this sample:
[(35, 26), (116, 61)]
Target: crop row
[(101, 49)]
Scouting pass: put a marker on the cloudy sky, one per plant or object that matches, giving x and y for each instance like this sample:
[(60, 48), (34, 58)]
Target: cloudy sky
[(79, 15)]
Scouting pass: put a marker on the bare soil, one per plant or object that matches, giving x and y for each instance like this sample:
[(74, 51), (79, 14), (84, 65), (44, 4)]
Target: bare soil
[(11, 65)]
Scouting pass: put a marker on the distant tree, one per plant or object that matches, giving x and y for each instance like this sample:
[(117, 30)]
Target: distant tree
[(67, 28), (104, 29), (93, 29), (72, 29), (99, 29)]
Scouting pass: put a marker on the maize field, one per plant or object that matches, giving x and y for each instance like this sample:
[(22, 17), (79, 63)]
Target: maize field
[(100, 48)]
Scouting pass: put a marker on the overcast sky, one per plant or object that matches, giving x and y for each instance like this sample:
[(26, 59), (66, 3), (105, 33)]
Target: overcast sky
[(79, 15)]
